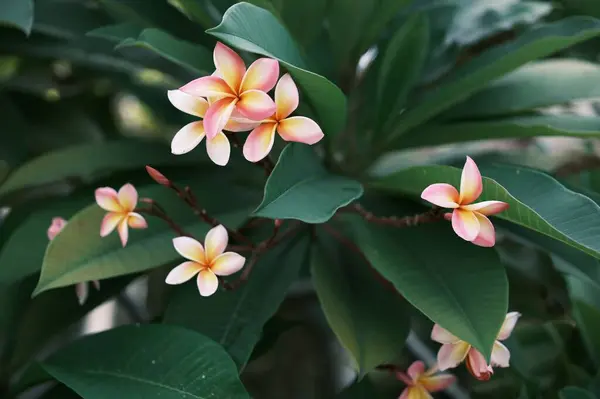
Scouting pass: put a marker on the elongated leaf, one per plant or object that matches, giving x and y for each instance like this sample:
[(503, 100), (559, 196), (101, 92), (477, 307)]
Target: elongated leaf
[(468, 79), (450, 284), (117, 33), (300, 188), (534, 85), (87, 162), (235, 319), (360, 390), (384, 12), (18, 14), (585, 299), (403, 63), (298, 13), (251, 28), (537, 201), (78, 253), (151, 361), (347, 19), (575, 393), (194, 58), (370, 320), (194, 10), (514, 127)]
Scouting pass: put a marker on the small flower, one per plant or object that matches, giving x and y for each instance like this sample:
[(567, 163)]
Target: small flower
[(469, 220), (235, 88), (454, 350), (189, 136), (297, 128), (207, 262), (81, 289), (120, 207), (420, 382)]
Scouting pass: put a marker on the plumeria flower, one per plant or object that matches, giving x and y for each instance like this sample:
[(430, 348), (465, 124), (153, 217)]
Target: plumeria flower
[(207, 262), (419, 383), (120, 207), (81, 289), (454, 350), (297, 128), (235, 88), (469, 220), (192, 134)]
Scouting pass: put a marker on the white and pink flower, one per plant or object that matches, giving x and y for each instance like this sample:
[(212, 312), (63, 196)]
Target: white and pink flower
[(420, 383)]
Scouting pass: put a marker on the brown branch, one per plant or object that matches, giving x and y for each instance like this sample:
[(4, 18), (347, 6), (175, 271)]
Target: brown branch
[(156, 210), (433, 215)]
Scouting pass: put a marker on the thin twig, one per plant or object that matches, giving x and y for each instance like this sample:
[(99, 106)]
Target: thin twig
[(154, 211), (267, 163), (433, 215)]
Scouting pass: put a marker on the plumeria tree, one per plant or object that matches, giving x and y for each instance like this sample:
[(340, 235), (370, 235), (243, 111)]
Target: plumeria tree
[(299, 199)]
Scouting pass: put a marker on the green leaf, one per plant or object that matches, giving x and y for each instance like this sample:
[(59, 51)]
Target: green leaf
[(537, 201), (151, 361), (18, 14), (535, 85), (78, 253), (347, 19), (194, 10), (194, 58), (251, 28), (370, 320), (403, 62), (585, 300), (116, 33), (298, 13), (360, 390), (384, 12), (575, 393), (87, 162), (537, 43), (235, 319), (512, 127), (300, 188), (450, 284)]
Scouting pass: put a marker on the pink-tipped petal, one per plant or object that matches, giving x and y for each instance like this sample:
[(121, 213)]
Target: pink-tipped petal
[(215, 242), (443, 336), (123, 230), (500, 355), (190, 249), (405, 393), (128, 197), (441, 194), (207, 282), (286, 97), (56, 227), (451, 355), (448, 216), (136, 221), (260, 142), (255, 105), (96, 284), (416, 370), (208, 86), (110, 222), (218, 149), (107, 199), (487, 234), (487, 207), (237, 125), (187, 138), (470, 183), (182, 273), (418, 392), (187, 103), (465, 224), (436, 383), (217, 116), (227, 264), (300, 129), (477, 365), (261, 75), (82, 292), (508, 326), (230, 65)]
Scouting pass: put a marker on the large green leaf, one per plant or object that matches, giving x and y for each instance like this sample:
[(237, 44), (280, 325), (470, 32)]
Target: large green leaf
[(537, 201), (18, 14), (537, 43), (89, 161), (346, 22), (152, 361), (585, 300), (383, 13), (450, 284), (193, 57), (251, 28), (512, 127), (194, 10), (235, 319), (78, 253), (116, 33), (371, 320), (298, 13), (402, 65), (535, 85), (301, 188), (575, 393)]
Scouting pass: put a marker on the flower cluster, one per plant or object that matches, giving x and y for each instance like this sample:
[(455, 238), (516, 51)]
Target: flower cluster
[(419, 383), (235, 99)]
